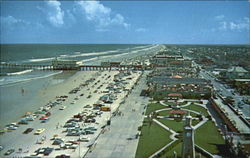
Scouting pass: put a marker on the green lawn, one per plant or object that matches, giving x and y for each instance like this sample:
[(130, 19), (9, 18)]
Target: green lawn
[(153, 138), (153, 107), (164, 113), (170, 154), (195, 122), (208, 137), (197, 108), (174, 125)]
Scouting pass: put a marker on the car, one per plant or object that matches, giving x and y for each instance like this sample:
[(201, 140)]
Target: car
[(83, 139), (63, 156), (1, 147), (88, 106), (39, 131), (23, 121), (74, 146), (45, 120), (11, 128), (43, 117), (73, 133), (90, 128), (62, 107), (10, 151), (28, 130), (48, 151), (88, 132)]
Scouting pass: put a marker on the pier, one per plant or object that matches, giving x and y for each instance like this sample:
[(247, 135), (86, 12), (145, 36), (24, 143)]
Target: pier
[(79, 68)]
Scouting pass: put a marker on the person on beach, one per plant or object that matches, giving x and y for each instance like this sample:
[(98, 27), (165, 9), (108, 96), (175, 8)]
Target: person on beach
[(22, 90)]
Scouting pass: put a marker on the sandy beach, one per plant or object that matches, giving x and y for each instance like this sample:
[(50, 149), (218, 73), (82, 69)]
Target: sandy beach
[(28, 142)]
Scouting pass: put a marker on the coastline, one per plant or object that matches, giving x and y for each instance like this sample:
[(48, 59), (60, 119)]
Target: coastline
[(60, 117), (14, 104)]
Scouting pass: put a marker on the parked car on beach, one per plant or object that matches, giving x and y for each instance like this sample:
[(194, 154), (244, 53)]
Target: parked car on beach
[(10, 151), (28, 130), (39, 131)]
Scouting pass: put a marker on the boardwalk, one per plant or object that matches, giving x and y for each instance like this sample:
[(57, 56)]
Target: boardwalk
[(80, 67)]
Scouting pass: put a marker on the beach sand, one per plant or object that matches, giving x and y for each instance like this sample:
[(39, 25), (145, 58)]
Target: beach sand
[(28, 141)]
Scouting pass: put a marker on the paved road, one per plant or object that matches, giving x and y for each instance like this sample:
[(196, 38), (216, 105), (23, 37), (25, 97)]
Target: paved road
[(114, 143), (226, 92)]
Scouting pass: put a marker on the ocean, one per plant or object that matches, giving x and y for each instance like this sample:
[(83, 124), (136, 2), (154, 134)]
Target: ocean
[(13, 105)]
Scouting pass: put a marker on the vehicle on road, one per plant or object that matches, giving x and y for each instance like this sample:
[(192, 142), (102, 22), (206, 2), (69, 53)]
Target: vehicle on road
[(39, 131), (28, 130)]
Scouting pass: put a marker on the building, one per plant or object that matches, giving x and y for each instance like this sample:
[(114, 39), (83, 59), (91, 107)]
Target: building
[(189, 88), (170, 61), (65, 64)]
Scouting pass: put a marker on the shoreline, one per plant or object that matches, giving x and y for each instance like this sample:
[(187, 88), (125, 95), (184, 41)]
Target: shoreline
[(28, 100), (61, 116)]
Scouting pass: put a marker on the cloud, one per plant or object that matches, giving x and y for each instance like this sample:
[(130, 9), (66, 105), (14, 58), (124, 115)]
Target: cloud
[(55, 13), (239, 25), (102, 16), (219, 17), (141, 30), (11, 23)]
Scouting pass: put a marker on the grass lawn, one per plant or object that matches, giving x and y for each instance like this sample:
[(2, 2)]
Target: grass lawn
[(153, 138), (197, 108), (208, 137), (174, 125), (170, 154), (195, 122), (153, 107), (164, 113)]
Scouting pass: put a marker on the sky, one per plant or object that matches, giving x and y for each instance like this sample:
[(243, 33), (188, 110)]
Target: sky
[(125, 22)]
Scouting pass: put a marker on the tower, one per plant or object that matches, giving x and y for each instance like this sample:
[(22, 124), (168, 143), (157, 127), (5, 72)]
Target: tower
[(188, 139)]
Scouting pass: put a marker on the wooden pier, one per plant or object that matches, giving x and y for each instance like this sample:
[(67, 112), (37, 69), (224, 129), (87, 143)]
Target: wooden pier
[(79, 68)]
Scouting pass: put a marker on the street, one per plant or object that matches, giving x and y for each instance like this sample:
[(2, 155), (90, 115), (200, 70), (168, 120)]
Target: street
[(226, 92)]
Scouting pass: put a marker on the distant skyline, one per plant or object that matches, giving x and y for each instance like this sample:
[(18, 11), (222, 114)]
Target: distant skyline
[(125, 22)]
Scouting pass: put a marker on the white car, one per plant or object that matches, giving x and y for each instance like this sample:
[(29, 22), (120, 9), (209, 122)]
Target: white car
[(83, 139), (11, 128), (39, 131), (62, 107)]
